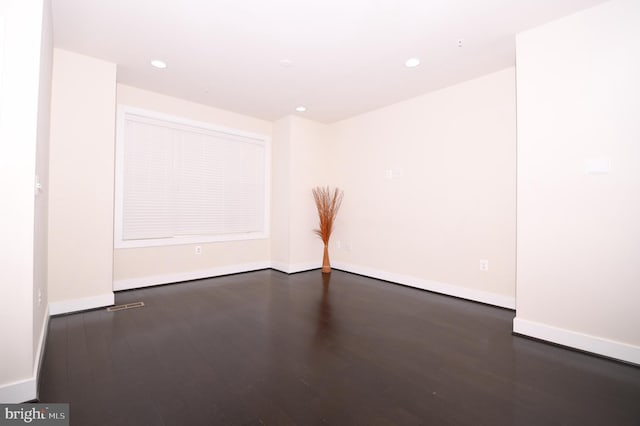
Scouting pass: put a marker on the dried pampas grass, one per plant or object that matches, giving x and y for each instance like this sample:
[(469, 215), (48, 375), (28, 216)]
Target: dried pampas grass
[(328, 203)]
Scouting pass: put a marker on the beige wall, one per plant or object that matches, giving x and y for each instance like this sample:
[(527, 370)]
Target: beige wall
[(311, 160), (81, 182), (25, 70), (280, 193), (579, 232), (450, 201), (134, 267), (40, 294), (132, 96), (301, 161)]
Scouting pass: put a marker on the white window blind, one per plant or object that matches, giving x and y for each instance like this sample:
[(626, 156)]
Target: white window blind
[(181, 182), (147, 190)]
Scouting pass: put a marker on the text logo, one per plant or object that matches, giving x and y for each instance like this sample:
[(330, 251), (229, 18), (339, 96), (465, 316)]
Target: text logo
[(34, 414)]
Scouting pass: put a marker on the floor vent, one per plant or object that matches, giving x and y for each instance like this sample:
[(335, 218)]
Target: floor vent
[(127, 306)]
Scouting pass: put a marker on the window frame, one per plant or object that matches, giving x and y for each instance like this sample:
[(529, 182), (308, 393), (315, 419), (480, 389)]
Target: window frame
[(125, 111)]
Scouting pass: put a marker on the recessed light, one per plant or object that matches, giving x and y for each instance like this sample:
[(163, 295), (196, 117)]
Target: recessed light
[(159, 64), (412, 62), (287, 63), (301, 109)]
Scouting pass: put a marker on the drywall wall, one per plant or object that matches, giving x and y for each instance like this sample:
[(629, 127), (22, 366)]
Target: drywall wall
[(138, 267), (430, 190), (310, 165), (81, 182), (579, 181), (280, 193), (41, 229), (301, 161), (25, 69)]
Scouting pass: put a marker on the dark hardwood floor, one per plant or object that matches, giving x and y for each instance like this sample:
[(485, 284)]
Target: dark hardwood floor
[(268, 348)]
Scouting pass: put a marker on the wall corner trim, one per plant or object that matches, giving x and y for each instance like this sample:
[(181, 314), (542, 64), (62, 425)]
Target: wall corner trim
[(280, 266), (295, 268), (573, 339), (81, 304)]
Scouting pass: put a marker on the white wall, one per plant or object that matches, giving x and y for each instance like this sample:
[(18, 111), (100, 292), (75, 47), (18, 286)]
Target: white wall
[(81, 182), (280, 193), (137, 267), (311, 160), (578, 264), (41, 229), (451, 199), (301, 161), (25, 71)]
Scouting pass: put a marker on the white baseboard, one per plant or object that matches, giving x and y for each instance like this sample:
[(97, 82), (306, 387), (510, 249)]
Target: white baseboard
[(27, 389), (40, 351), (280, 266), (435, 286), (576, 340), (294, 268), (81, 304), (131, 283), (20, 391)]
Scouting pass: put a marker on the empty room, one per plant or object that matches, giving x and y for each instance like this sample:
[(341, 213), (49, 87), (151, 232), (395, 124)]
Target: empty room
[(367, 212)]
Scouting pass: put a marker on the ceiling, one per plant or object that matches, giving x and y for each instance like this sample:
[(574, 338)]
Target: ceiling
[(264, 58)]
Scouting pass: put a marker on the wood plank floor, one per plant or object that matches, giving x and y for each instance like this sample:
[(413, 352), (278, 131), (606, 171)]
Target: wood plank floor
[(276, 349)]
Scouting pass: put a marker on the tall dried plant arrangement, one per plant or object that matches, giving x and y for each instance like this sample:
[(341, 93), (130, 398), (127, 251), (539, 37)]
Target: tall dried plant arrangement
[(328, 203)]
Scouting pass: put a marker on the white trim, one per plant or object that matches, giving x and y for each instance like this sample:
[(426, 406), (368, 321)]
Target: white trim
[(577, 340), (189, 239), (180, 122), (280, 266), (131, 283), (27, 389), (435, 286), (295, 268), (41, 348), (20, 391), (82, 304)]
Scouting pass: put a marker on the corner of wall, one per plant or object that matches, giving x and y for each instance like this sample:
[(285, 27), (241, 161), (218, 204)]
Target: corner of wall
[(27, 389)]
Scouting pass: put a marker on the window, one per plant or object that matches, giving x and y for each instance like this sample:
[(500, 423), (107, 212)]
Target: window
[(181, 182)]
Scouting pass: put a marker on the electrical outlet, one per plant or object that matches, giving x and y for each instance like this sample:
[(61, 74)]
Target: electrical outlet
[(484, 265), (39, 297), (198, 249)]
